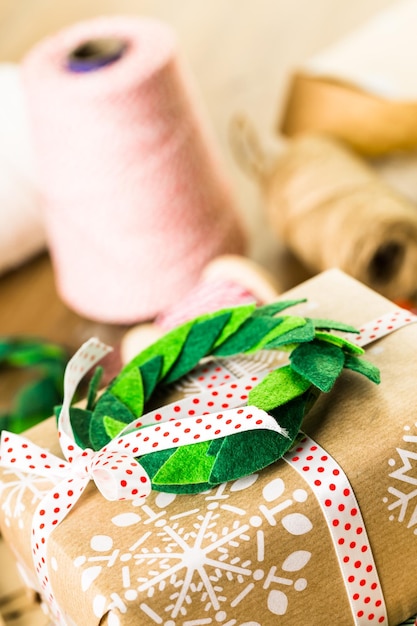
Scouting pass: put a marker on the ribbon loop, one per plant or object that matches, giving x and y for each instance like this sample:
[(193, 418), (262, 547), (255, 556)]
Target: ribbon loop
[(118, 476)]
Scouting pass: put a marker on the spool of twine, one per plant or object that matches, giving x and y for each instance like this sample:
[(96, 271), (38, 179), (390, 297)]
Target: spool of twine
[(331, 209), (135, 200)]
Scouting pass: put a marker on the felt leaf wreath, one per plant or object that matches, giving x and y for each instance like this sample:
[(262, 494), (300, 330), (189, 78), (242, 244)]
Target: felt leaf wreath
[(316, 360)]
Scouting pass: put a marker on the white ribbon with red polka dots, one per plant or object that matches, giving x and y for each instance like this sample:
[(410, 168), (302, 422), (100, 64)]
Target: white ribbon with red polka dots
[(113, 468)]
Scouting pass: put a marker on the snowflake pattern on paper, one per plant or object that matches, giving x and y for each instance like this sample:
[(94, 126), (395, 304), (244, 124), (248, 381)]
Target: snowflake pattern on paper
[(14, 492), (194, 556), (402, 501)]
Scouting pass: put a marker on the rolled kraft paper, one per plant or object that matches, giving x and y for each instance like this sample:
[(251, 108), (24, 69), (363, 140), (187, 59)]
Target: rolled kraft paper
[(332, 210), (362, 88), (135, 200)]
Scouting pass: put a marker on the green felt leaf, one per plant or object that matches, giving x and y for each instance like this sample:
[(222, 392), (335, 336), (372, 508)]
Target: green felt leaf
[(248, 336), (248, 452), (238, 315), (151, 372), (189, 464), (363, 367), (277, 388), (129, 390), (186, 489), (112, 426), (168, 346), (276, 307), (322, 324), (80, 422), (93, 387), (298, 334), (107, 405), (319, 362), (346, 345), (153, 462), (199, 342), (291, 414)]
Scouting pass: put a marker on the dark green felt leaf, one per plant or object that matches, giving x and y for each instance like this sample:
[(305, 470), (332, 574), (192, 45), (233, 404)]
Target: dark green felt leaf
[(198, 344), (278, 387), (297, 334), (275, 307), (363, 367), (107, 405), (319, 362), (249, 335), (291, 414), (129, 390), (245, 453), (80, 422), (153, 462), (93, 387), (151, 372), (333, 325), (238, 315)]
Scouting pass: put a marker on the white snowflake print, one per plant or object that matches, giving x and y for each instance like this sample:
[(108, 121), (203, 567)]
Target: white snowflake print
[(210, 557), (14, 492), (402, 501)]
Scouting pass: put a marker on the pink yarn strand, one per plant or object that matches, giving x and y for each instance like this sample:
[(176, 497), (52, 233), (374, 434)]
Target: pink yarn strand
[(135, 199)]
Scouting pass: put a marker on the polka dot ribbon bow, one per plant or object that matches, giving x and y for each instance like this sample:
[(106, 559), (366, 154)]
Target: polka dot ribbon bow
[(114, 470)]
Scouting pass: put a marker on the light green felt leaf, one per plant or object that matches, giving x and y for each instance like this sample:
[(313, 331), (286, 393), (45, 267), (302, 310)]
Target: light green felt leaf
[(275, 307), (322, 324), (300, 334), (319, 362), (188, 464), (169, 345), (199, 342), (239, 315), (363, 367), (278, 387), (107, 405), (129, 390), (248, 336), (346, 345), (112, 426), (150, 372)]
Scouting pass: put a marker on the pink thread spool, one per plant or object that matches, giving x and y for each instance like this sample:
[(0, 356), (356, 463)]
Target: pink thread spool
[(135, 200)]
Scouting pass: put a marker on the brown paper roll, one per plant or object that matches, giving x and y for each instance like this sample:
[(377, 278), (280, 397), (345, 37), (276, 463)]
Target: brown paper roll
[(332, 210), (370, 124)]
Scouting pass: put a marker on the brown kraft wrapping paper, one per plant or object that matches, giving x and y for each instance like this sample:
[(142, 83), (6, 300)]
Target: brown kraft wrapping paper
[(256, 551)]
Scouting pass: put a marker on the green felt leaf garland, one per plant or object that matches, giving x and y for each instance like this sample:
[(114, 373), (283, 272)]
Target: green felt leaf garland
[(317, 357)]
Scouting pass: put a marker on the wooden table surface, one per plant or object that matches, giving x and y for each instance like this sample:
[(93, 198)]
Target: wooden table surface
[(242, 53)]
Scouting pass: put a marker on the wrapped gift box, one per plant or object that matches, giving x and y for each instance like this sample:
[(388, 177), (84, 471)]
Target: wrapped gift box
[(257, 551)]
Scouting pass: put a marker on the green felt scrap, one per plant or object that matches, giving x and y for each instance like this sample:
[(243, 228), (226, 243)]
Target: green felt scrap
[(249, 333), (129, 390), (151, 372), (198, 343), (363, 367), (247, 452), (188, 464), (276, 307), (333, 325), (93, 387), (277, 388), (352, 348), (107, 406), (238, 315), (319, 362)]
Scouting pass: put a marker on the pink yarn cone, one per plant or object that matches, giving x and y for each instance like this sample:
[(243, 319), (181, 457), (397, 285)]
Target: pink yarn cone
[(134, 197)]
